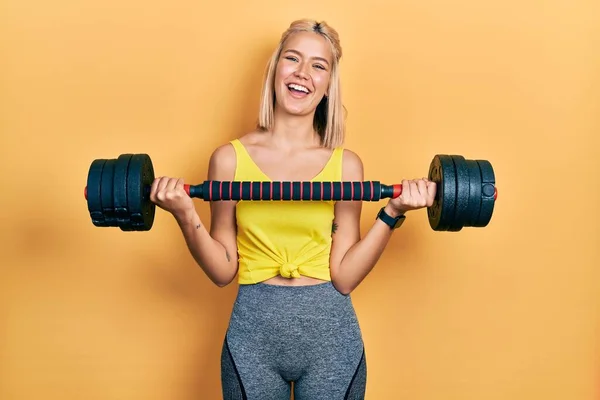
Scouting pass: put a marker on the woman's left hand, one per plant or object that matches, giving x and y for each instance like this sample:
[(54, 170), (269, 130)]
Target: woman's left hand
[(416, 194)]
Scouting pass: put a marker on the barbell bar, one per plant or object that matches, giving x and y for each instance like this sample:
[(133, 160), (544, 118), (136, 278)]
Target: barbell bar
[(118, 192)]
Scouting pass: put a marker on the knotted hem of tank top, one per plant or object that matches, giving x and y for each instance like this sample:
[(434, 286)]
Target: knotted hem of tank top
[(289, 270), (286, 270), (314, 263)]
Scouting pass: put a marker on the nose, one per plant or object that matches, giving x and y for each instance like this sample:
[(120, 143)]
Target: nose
[(301, 71)]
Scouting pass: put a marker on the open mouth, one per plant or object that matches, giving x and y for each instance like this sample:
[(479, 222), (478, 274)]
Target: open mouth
[(298, 90)]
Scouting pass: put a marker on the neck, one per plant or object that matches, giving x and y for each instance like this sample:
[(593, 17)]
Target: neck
[(294, 131)]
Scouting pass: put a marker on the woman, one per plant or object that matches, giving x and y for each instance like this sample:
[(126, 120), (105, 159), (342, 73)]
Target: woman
[(296, 261)]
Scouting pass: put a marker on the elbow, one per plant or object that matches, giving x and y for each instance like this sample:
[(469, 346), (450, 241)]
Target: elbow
[(222, 281), (343, 288), (219, 276), (345, 292), (341, 282)]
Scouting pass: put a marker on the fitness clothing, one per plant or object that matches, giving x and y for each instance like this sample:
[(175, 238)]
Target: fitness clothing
[(287, 238), (305, 334)]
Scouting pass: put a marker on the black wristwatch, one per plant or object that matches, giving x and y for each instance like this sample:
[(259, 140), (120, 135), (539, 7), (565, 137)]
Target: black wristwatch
[(393, 223)]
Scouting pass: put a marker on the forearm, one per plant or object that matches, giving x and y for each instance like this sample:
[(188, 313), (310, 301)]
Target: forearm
[(362, 257), (211, 255)]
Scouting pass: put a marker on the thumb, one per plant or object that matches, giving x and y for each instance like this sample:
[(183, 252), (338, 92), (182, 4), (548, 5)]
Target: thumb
[(179, 184)]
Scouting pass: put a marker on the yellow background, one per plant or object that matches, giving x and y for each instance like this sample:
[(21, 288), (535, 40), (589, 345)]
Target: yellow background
[(505, 312)]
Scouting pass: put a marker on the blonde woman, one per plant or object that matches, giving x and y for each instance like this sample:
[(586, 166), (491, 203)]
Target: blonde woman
[(296, 261)]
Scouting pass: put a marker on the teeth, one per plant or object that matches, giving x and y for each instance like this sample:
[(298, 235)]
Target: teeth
[(298, 87)]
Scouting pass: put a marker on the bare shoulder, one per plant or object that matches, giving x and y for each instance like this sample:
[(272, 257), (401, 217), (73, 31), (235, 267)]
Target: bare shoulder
[(352, 166), (251, 138), (222, 163)]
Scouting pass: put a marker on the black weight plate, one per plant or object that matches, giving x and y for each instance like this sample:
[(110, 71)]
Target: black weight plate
[(134, 197), (106, 193), (474, 193), (94, 200), (488, 191), (120, 192), (441, 212), (139, 180), (434, 212), (462, 194), (149, 208)]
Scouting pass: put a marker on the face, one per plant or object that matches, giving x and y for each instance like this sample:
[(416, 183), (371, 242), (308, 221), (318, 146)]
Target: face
[(303, 73)]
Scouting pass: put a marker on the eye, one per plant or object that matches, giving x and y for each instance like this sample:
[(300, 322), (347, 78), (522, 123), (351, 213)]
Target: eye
[(291, 58), (319, 66)]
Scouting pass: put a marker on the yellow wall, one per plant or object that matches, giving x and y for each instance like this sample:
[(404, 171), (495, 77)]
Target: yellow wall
[(505, 312)]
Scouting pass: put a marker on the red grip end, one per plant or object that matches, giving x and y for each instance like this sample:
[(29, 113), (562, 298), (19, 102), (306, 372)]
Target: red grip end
[(397, 190), (85, 192), (495, 193), (186, 187)]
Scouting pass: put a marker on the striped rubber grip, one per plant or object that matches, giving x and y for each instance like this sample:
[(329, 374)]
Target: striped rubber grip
[(287, 190)]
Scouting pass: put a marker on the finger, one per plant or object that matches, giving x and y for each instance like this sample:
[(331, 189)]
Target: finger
[(422, 185), (422, 191), (153, 189), (179, 185), (414, 187), (170, 189), (161, 188), (171, 183), (162, 183), (414, 192), (405, 189)]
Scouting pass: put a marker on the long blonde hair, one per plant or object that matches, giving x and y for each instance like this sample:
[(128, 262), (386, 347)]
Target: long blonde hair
[(329, 120)]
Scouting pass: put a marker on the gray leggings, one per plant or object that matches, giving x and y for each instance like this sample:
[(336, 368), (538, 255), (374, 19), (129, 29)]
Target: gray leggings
[(308, 335)]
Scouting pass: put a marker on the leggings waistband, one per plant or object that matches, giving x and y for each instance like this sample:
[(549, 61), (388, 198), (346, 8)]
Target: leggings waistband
[(311, 301)]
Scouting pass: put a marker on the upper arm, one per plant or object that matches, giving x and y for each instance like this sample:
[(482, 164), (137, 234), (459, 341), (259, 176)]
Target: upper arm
[(221, 167), (346, 228)]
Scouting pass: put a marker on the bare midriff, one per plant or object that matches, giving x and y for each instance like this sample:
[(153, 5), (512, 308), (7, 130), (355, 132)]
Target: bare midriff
[(301, 281)]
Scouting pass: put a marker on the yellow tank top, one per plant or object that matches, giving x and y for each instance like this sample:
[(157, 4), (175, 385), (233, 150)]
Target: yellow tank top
[(287, 238)]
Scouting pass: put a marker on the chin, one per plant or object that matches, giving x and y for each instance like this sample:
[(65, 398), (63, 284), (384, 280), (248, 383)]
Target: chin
[(298, 111), (297, 108)]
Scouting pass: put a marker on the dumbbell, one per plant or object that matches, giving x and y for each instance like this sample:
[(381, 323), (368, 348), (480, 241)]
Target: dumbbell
[(118, 192)]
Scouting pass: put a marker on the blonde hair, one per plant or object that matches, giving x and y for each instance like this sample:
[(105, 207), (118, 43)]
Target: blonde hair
[(329, 120)]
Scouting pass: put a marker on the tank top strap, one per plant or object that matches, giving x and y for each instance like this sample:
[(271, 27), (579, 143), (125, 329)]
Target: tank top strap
[(333, 169), (242, 155), (246, 169)]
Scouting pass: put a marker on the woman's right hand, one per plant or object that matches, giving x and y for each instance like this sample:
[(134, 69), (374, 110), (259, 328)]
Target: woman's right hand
[(169, 194)]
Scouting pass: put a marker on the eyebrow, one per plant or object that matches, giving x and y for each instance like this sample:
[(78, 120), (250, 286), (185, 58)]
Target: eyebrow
[(300, 54)]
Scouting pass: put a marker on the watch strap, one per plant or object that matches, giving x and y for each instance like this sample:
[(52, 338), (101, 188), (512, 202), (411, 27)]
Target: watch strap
[(392, 222)]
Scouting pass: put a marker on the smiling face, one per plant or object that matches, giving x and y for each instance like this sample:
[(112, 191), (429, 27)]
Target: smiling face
[(303, 73)]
